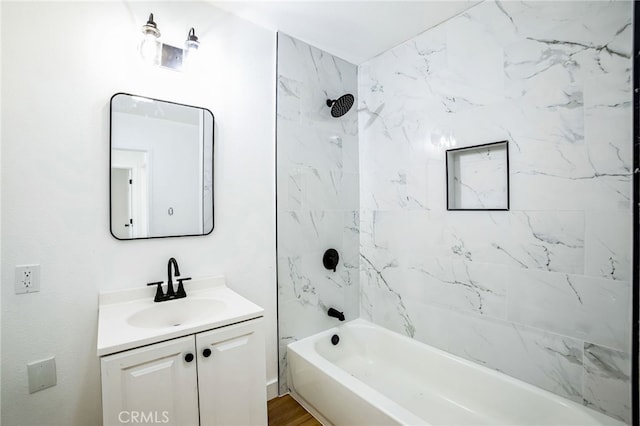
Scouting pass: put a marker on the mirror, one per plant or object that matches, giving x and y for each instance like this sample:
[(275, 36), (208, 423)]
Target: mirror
[(161, 168)]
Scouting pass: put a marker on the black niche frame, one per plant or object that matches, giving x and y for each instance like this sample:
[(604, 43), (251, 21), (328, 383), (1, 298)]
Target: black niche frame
[(213, 146), (467, 148), (635, 288)]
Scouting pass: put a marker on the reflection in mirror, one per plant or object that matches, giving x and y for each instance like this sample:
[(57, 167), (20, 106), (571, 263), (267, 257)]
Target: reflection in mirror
[(161, 168)]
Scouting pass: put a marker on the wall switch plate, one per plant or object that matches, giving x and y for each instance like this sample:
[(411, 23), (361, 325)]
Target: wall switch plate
[(27, 279), (42, 374)]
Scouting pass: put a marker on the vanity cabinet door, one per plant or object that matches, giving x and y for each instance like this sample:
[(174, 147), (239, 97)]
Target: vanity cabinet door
[(232, 375), (156, 384)]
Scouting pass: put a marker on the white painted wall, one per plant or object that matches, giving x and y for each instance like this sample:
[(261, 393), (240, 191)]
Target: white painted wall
[(57, 80)]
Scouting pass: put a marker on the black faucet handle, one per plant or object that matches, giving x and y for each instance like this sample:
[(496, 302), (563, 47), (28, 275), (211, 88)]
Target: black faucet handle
[(330, 259), (180, 293), (159, 293)]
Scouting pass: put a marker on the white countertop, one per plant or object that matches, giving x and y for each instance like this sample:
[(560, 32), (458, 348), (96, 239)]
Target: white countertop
[(115, 334)]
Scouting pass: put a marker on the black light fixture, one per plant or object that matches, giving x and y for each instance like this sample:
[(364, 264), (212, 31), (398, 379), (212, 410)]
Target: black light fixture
[(151, 27), (192, 42), (191, 46)]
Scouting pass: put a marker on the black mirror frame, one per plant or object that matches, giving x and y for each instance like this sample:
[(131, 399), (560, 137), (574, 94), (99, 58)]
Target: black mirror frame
[(212, 168)]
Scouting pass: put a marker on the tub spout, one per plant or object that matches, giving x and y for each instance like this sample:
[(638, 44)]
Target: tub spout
[(336, 314)]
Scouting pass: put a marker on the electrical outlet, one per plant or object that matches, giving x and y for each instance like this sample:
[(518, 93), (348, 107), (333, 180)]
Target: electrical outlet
[(27, 279)]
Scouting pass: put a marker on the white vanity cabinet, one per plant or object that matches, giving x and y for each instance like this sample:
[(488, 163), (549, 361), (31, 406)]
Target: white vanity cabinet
[(154, 381), (214, 377), (232, 377)]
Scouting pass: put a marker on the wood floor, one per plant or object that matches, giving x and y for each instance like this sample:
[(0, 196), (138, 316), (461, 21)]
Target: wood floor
[(285, 411)]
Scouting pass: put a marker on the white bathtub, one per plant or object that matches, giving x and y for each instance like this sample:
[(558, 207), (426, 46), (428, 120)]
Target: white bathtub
[(377, 377)]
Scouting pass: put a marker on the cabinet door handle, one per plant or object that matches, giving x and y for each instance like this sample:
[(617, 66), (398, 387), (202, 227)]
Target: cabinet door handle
[(206, 353), (188, 357)]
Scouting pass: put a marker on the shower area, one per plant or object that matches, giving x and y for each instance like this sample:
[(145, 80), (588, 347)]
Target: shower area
[(317, 192), (541, 291)]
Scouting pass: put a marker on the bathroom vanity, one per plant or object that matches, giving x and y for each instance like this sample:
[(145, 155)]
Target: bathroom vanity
[(193, 361)]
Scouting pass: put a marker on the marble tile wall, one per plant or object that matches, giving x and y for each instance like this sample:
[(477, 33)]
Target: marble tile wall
[(317, 193), (541, 292)]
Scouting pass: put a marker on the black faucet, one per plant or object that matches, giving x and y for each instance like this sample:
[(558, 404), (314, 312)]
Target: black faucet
[(171, 293), (336, 314)]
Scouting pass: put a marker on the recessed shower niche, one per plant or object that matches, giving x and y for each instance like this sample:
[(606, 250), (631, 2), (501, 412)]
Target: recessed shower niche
[(478, 177)]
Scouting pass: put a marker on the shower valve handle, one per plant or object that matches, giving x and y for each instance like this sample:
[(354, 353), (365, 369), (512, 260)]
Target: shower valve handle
[(330, 259)]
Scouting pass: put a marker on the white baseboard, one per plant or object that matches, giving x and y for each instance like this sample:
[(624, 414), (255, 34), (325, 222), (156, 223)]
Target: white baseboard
[(272, 389)]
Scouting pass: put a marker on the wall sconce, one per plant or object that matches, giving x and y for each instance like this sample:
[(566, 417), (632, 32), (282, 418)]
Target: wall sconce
[(154, 52)]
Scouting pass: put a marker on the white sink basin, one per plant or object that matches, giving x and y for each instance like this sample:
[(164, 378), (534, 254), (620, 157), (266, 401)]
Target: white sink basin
[(176, 313), (130, 319)]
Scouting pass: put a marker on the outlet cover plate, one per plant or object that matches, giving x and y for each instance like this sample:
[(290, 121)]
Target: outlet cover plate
[(27, 279), (42, 374)]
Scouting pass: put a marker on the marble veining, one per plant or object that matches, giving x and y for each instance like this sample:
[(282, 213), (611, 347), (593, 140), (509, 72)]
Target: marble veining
[(466, 286), (540, 291), (589, 309), (607, 251), (607, 384), (377, 276), (318, 193), (551, 241), (548, 360)]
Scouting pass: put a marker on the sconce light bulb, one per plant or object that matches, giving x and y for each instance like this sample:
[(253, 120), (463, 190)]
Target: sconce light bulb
[(191, 46), (150, 49), (150, 46)]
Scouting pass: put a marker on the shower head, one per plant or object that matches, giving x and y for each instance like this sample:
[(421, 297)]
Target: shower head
[(340, 106)]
